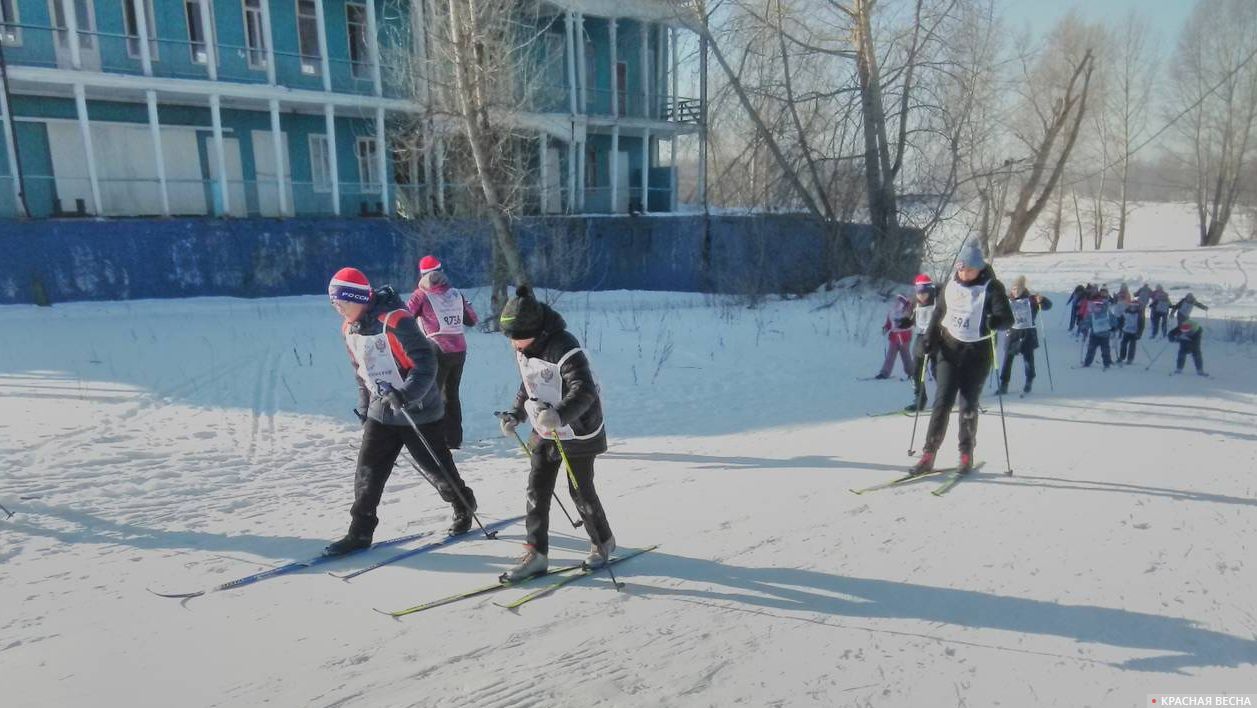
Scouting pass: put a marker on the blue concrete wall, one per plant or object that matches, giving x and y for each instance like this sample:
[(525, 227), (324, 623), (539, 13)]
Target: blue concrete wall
[(64, 260)]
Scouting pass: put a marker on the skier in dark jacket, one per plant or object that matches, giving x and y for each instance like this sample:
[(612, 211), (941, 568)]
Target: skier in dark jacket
[(1023, 336), (1189, 336), (923, 308), (558, 395), (1132, 330), (1099, 327), (1159, 309), (1075, 299), (1183, 308), (973, 307), (394, 363)]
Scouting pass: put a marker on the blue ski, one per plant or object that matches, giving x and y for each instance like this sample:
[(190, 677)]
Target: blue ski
[(493, 528)]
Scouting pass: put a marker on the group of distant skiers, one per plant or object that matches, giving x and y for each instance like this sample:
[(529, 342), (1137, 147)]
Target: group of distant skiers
[(408, 360), (1098, 318), (954, 332)]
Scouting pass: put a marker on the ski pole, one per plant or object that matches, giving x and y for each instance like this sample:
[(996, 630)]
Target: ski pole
[(1047, 355), (1003, 424), (916, 416), (524, 446), (593, 532), (1158, 356), (8, 514), (395, 398)]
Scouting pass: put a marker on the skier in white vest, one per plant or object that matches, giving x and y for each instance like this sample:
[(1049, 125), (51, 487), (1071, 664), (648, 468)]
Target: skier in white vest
[(444, 314), (923, 308), (1023, 336), (972, 308), (393, 363), (558, 396)]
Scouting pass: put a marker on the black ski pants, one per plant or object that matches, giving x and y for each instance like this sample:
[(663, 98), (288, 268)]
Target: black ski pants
[(919, 360), (961, 371), (381, 444), (1158, 321), (449, 376), (1019, 342), (1127, 351), (546, 464), (1190, 347), (1100, 342)]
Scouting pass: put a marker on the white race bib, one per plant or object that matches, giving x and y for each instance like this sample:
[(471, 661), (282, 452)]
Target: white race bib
[(375, 360), (1023, 313), (1130, 324), (922, 317), (1098, 318), (448, 307), (543, 382), (965, 308)]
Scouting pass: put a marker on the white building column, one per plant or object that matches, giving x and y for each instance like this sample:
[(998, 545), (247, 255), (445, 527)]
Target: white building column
[(581, 147), (373, 46), (141, 25), (270, 52), (321, 23), (676, 82), (582, 71), (72, 33), (570, 202), (570, 22), (220, 152), (277, 145), (154, 128), (85, 130), (543, 172), (7, 124), (613, 30), (211, 49), (644, 39), (614, 164), (329, 119), (645, 171), (381, 156)]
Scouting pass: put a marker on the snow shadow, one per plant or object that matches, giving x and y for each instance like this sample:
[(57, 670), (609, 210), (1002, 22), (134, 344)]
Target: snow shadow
[(1183, 644)]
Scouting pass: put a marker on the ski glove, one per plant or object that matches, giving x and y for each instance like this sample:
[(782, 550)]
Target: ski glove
[(508, 423), (549, 420), (390, 394)]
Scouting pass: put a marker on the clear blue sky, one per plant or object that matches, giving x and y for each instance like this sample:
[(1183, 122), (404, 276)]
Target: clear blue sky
[(1164, 17)]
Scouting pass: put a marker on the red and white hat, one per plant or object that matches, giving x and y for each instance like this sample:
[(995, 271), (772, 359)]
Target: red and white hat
[(350, 285), (427, 264), (923, 279)]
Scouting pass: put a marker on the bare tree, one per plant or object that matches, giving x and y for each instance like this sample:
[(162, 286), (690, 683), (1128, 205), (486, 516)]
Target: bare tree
[(1054, 104), (1214, 81), (1131, 71)]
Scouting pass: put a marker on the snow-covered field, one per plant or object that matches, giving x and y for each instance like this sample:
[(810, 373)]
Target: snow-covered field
[(180, 444)]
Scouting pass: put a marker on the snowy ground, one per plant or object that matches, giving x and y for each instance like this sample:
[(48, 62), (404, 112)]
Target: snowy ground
[(179, 444)]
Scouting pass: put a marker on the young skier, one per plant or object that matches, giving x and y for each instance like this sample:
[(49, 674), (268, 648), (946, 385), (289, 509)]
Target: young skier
[(1023, 336), (443, 313), (973, 307), (1183, 308), (898, 331), (1189, 336), (394, 363), (558, 395), (1132, 330), (1099, 327), (1160, 311), (1075, 300), (926, 294)]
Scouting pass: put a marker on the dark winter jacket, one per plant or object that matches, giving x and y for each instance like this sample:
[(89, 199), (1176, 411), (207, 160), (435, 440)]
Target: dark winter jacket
[(581, 407), (416, 362), (1185, 306), (996, 314)]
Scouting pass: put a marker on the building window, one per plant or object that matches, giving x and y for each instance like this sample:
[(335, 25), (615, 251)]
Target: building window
[(368, 172), (86, 21), (197, 34), (359, 48), (308, 37), (255, 38), (10, 32), (133, 28), (320, 164), (591, 168)]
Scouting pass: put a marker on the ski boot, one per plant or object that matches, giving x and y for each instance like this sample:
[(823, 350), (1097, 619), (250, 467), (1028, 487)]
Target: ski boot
[(529, 564), (925, 465), (463, 517), (597, 558), (966, 463), (350, 543)]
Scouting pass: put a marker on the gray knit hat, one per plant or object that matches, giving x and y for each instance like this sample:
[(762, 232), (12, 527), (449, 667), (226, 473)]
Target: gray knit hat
[(971, 255)]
